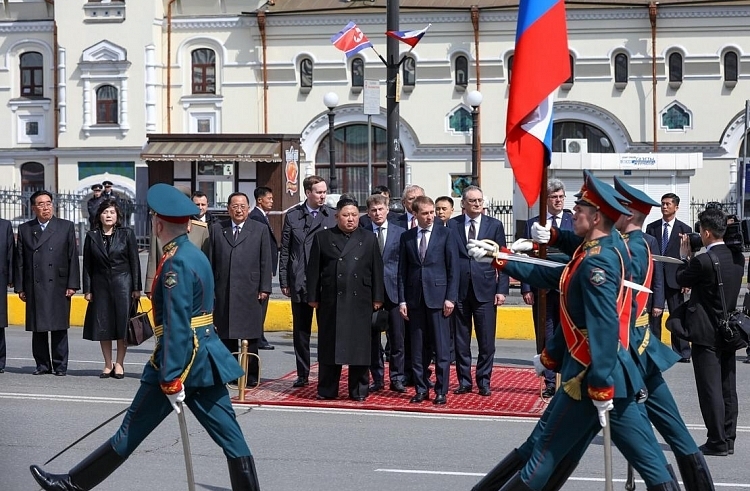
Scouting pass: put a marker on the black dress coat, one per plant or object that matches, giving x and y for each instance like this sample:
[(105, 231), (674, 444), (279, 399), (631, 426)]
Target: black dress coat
[(7, 253), (242, 269), (46, 266), (260, 217), (111, 278), (345, 277)]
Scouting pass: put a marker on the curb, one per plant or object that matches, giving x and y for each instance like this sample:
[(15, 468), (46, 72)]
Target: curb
[(512, 322)]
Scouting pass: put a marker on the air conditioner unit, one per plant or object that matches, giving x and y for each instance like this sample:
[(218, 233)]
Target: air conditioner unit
[(576, 145)]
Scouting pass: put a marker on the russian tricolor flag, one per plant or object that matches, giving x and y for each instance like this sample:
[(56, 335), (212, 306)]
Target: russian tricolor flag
[(541, 63), (409, 37), (351, 40)]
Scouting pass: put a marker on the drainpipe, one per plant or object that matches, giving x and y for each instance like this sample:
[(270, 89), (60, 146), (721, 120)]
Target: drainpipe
[(169, 65), (55, 99), (262, 27), (475, 24), (652, 17)]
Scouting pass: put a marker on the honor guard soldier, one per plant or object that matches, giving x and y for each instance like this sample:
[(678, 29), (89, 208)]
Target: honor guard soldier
[(585, 352), (189, 362), (93, 203)]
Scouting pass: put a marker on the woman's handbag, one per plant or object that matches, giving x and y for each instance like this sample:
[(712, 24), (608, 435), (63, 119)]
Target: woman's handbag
[(139, 326)]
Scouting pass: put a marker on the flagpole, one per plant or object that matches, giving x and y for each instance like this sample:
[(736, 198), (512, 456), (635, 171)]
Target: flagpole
[(541, 302)]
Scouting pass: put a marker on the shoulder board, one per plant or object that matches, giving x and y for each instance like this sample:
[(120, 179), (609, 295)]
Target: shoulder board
[(590, 244), (200, 223), (594, 250)]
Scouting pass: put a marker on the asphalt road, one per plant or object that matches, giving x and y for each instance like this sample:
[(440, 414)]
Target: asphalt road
[(295, 448)]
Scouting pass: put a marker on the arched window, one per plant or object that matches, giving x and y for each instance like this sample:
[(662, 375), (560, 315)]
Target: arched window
[(621, 68), (32, 176), (350, 145), (731, 71), (597, 140), (675, 67), (32, 79), (572, 77), (462, 71), (510, 67), (306, 73), (358, 72), (204, 71), (460, 120), (409, 72), (106, 105)]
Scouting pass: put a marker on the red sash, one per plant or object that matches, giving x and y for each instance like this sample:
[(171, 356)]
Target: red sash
[(168, 253), (641, 298)]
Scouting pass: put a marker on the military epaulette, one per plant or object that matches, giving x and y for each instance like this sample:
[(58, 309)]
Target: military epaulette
[(591, 243), (169, 248), (200, 223), (594, 250), (625, 237)]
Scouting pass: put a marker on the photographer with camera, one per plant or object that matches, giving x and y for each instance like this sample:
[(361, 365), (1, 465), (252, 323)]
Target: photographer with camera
[(714, 364)]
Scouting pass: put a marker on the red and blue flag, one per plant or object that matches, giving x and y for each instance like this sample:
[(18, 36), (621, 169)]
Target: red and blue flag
[(351, 40), (409, 37), (541, 63)]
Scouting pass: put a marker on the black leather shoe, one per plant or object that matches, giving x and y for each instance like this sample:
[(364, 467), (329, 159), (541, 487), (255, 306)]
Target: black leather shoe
[(60, 373), (357, 398), (40, 371), (714, 452), (324, 398), (485, 391), (730, 447), (376, 386), (2, 370), (440, 399), (684, 360), (242, 473), (397, 386), (267, 346), (464, 389), (419, 397), (88, 474), (747, 360), (300, 382), (548, 392)]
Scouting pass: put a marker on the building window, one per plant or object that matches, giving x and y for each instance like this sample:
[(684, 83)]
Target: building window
[(510, 67), (409, 72), (731, 71), (621, 68), (106, 105), (358, 72), (568, 84), (675, 68), (306, 73), (597, 140), (676, 118), (32, 128), (32, 176), (460, 120), (204, 71), (462, 71), (32, 83)]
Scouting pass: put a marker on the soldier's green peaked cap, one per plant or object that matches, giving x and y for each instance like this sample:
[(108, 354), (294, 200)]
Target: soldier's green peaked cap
[(170, 204), (639, 201)]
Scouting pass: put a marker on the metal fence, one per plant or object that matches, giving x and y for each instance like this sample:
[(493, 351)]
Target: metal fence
[(729, 207), (503, 211)]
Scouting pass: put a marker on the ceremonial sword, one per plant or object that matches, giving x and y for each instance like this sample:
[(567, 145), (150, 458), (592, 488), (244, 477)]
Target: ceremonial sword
[(608, 486), (667, 259), (186, 446)]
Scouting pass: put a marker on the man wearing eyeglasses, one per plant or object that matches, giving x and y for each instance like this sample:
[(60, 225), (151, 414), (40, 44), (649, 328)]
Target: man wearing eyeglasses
[(47, 276), (560, 218)]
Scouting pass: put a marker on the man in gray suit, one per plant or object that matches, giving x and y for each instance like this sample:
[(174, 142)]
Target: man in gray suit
[(47, 276), (300, 225), (7, 251), (241, 261)]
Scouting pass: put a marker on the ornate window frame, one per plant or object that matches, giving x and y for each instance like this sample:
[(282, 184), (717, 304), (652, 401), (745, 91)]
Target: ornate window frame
[(104, 63)]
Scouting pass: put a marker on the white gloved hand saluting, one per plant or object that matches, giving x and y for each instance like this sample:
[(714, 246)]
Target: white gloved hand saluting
[(522, 245), (481, 251), (602, 407), (538, 367), (541, 234)]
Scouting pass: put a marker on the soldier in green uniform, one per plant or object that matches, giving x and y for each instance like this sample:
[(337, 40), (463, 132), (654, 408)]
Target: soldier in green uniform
[(585, 351), (189, 363)]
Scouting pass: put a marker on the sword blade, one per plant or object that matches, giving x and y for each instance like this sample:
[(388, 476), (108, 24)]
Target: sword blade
[(608, 485), (666, 259), (531, 260), (635, 286), (186, 447)]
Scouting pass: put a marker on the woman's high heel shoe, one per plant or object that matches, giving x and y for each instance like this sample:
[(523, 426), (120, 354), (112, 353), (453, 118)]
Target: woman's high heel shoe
[(109, 373), (118, 376)]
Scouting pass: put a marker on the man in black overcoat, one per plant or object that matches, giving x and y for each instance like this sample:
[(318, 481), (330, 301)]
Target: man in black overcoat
[(344, 285), (263, 204), (241, 261), (47, 276), (7, 253)]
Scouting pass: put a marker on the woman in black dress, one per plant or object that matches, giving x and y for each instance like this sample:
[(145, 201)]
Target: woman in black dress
[(111, 284)]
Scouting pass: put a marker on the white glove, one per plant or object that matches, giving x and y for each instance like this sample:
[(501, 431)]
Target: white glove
[(481, 251), (176, 398), (541, 234), (538, 367), (602, 407), (522, 245)]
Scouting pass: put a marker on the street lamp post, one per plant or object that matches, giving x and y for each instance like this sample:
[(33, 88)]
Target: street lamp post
[(474, 98), (331, 100)]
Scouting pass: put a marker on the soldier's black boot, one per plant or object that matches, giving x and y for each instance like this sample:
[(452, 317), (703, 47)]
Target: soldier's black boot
[(665, 486), (695, 473), (501, 473), (516, 484), (85, 476), (242, 474), (561, 474)]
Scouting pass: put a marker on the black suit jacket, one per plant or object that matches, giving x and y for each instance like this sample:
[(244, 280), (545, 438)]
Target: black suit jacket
[(259, 216), (698, 274), (656, 229), (7, 257)]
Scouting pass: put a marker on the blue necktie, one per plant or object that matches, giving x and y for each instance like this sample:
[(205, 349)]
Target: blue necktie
[(665, 238)]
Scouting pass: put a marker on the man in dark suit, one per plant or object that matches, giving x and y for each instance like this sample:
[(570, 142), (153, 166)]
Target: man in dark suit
[(241, 261), (562, 219), (667, 232), (407, 220), (300, 225), (7, 253), (47, 275), (389, 239), (480, 292), (201, 201), (263, 204), (392, 216), (444, 209), (344, 281), (714, 365), (427, 294)]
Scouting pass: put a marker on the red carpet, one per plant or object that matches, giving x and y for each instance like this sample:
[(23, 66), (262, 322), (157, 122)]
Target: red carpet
[(515, 392)]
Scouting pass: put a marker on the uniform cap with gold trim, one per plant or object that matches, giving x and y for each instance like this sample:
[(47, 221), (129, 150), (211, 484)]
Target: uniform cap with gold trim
[(170, 204), (639, 201), (601, 196)]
